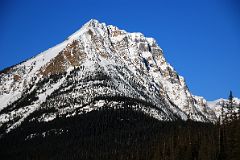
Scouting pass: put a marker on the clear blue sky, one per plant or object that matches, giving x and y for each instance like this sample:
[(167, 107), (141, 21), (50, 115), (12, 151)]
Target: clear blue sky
[(200, 38)]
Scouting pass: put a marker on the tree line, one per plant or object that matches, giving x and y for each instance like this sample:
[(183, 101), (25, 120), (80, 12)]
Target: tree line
[(121, 133)]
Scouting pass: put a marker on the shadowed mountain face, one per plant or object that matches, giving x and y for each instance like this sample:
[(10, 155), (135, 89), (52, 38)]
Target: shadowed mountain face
[(98, 66)]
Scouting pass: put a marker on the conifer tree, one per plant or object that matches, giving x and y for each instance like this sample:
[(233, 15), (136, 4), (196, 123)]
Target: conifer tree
[(230, 105), (230, 99)]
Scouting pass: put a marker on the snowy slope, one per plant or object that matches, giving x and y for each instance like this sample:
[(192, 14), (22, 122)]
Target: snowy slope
[(218, 104), (97, 66)]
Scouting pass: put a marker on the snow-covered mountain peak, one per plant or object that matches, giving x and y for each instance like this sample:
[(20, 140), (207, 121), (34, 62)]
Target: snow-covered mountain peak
[(98, 65), (92, 24)]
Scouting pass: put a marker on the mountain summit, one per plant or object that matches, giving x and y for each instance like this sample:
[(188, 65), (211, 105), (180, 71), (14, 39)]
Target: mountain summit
[(98, 66)]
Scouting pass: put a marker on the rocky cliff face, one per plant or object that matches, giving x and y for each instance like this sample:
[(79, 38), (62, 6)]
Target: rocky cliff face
[(98, 66)]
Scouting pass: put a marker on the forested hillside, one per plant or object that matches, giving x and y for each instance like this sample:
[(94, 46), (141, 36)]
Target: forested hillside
[(121, 134)]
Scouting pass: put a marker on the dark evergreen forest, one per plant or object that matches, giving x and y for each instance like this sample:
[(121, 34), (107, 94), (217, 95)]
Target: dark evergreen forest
[(121, 134)]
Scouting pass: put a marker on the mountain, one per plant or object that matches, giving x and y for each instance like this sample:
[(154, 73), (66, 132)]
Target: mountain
[(99, 66), (221, 103)]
